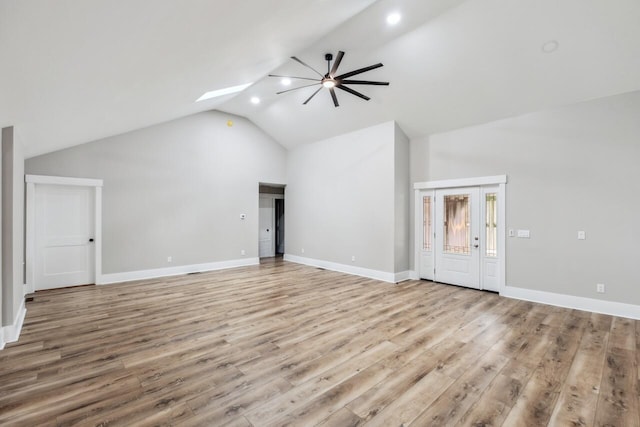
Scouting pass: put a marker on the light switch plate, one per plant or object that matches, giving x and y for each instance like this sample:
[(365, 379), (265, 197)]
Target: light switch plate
[(582, 235), (512, 232), (524, 234)]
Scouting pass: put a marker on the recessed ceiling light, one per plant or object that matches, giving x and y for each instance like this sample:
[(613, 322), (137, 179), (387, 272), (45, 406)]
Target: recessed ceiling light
[(393, 18), (550, 46), (222, 92), (286, 81), (255, 100)]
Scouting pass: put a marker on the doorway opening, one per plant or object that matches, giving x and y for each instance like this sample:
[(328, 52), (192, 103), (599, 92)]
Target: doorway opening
[(460, 237), (271, 221), (63, 232)]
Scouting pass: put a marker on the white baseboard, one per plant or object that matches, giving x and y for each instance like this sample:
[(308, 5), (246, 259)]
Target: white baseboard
[(1, 338), (12, 332), (413, 275), (402, 276), (343, 268), (128, 276), (568, 301)]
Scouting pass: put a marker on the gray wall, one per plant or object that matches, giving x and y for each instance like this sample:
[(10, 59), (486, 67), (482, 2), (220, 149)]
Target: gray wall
[(402, 197), (341, 198), (573, 168), (12, 226), (176, 189)]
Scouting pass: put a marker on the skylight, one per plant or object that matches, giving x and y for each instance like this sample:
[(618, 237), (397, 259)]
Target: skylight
[(222, 92)]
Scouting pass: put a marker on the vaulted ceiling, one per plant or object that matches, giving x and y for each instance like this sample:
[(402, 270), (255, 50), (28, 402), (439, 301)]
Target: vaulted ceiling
[(73, 71)]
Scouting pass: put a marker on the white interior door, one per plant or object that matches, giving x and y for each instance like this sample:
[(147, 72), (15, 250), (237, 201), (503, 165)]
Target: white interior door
[(266, 244), (426, 206), (457, 238), (64, 233)]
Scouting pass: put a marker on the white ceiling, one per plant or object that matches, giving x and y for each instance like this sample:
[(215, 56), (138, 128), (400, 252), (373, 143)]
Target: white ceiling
[(78, 70)]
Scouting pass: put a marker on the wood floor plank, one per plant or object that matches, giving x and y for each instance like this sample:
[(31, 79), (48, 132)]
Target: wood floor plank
[(579, 395), (286, 344), (618, 398), (536, 403)]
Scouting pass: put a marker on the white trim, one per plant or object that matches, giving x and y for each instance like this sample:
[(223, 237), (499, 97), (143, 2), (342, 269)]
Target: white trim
[(402, 276), (502, 235), (63, 180), (463, 182), (343, 268), (12, 332), (413, 275), (2, 338), (30, 224), (128, 276), (30, 237), (578, 303), (97, 234)]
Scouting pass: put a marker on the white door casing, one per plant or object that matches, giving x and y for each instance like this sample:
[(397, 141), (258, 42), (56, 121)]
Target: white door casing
[(63, 216), (489, 194)]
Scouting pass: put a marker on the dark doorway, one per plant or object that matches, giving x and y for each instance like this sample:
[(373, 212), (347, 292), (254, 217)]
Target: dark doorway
[(279, 208)]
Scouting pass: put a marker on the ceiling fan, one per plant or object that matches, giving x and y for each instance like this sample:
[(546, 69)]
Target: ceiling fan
[(332, 81)]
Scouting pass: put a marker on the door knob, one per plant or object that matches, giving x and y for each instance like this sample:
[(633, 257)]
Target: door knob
[(475, 246)]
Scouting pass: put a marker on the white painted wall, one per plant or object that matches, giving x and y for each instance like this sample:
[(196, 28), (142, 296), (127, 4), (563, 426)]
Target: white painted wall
[(12, 228), (176, 189), (569, 169), (341, 199)]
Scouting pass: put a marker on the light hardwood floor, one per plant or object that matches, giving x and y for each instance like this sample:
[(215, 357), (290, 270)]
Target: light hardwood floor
[(284, 344)]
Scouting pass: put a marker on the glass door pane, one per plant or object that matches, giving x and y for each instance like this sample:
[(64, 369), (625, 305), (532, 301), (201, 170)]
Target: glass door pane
[(457, 226), (491, 225), (426, 223)]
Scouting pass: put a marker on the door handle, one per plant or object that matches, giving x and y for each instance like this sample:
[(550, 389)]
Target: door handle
[(91, 240), (476, 246)]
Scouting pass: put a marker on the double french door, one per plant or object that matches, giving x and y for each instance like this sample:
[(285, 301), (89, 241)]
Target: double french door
[(458, 240)]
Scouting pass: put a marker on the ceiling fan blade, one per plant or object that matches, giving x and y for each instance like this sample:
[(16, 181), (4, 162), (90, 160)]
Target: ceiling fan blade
[(293, 77), (314, 94), (336, 63), (353, 92), (363, 82), (308, 66), (358, 71), (296, 88), (335, 98)]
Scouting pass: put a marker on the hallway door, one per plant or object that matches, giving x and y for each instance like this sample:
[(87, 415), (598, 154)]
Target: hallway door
[(64, 236)]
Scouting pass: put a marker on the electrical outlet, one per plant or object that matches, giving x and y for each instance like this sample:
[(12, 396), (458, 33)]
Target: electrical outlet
[(242, 252), (169, 259), (302, 250), (582, 235), (353, 258), (600, 288)]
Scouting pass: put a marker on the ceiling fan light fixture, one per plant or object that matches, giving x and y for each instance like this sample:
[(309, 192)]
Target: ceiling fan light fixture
[(286, 81), (332, 79), (329, 83)]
